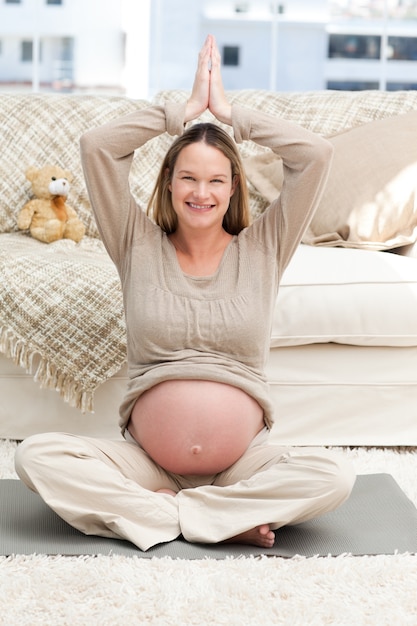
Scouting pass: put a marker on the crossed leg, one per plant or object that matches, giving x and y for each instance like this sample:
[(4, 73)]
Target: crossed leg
[(268, 487), (93, 485)]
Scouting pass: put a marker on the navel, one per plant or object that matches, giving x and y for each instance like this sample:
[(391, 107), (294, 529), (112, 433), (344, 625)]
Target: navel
[(196, 449)]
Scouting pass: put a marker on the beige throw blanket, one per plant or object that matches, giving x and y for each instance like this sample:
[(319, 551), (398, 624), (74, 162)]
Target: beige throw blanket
[(62, 302)]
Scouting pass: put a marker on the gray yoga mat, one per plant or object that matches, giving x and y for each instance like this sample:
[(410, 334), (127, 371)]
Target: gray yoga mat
[(378, 518)]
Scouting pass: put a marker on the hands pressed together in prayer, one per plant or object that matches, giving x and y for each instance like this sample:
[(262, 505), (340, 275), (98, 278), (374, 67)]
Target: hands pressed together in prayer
[(208, 91)]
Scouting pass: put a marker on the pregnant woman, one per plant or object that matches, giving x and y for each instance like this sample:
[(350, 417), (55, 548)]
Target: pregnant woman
[(199, 285)]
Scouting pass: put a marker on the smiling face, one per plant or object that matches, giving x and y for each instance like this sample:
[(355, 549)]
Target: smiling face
[(201, 186)]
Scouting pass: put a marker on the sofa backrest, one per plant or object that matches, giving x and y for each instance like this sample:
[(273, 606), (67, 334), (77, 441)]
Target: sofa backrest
[(36, 129), (45, 129), (324, 112)]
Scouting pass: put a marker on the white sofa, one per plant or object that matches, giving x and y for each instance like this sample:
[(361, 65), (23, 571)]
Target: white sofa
[(343, 359)]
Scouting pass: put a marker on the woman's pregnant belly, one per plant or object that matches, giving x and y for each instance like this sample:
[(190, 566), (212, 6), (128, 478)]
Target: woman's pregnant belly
[(195, 426)]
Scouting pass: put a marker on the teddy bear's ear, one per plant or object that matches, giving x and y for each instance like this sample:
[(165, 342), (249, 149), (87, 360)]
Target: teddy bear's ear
[(68, 176), (31, 173)]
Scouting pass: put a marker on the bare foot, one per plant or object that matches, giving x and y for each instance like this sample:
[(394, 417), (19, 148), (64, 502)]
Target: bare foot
[(261, 536), (170, 492)]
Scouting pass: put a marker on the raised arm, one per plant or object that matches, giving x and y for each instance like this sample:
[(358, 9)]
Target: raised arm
[(107, 153), (306, 159)]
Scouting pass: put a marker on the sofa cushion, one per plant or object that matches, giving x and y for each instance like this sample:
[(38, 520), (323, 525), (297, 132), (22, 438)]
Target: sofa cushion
[(39, 129), (348, 296), (370, 199)]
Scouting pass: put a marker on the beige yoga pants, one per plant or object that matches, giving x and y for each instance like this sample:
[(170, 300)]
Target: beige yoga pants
[(106, 488)]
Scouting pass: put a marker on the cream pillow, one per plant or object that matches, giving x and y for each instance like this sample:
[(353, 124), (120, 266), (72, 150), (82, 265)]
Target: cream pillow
[(346, 296), (370, 199)]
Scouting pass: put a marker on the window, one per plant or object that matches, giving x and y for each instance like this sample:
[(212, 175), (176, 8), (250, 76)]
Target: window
[(26, 51), (351, 85), (231, 56), (402, 48), (12, 1), (53, 1), (354, 46), (401, 86)]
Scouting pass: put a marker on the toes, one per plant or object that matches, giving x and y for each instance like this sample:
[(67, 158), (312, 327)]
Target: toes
[(267, 536), (264, 530), (261, 536)]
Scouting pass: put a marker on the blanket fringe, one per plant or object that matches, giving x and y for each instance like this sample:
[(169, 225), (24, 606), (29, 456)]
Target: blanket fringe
[(48, 376)]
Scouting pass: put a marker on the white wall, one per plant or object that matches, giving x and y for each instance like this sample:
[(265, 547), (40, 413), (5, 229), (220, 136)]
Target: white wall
[(99, 44), (98, 58), (253, 40), (10, 69), (175, 42), (302, 49), (136, 23), (94, 25)]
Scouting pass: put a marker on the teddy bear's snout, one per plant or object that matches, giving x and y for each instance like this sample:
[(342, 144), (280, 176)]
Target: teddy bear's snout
[(59, 187)]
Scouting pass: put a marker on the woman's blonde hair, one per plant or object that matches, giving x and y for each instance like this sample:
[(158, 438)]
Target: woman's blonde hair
[(160, 206)]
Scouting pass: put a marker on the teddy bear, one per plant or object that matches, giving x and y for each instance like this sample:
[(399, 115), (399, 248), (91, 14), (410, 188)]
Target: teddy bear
[(47, 216)]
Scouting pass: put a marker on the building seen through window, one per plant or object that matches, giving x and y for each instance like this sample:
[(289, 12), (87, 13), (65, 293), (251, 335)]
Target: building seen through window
[(402, 48), (141, 47), (354, 46)]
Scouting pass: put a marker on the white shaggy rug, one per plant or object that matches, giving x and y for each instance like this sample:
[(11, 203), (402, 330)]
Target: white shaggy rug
[(129, 591)]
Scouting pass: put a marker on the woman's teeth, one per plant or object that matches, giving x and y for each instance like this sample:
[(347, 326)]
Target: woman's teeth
[(200, 206)]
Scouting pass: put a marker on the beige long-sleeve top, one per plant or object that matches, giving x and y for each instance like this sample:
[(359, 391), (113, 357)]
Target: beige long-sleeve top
[(216, 327)]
